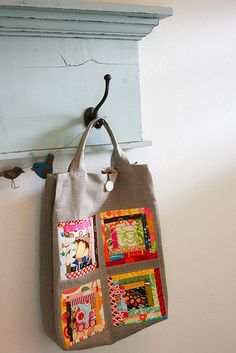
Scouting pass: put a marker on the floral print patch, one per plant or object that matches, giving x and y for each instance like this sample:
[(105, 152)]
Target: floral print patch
[(136, 297), (77, 247), (82, 312), (128, 235)]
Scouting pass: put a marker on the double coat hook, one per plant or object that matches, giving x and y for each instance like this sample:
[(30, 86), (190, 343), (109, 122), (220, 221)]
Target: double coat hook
[(92, 113)]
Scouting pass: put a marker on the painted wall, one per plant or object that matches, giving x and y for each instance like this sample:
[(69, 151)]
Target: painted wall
[(188, 107)]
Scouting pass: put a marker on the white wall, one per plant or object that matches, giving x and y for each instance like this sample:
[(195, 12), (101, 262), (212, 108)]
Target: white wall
[(188, 79)]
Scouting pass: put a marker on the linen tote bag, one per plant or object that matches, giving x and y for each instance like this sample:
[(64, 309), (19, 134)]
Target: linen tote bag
[(102, 269)]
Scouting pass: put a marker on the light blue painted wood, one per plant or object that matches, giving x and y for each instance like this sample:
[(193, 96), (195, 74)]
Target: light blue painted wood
[(83, 21), (72, 150), (92, 7), (48, 81)]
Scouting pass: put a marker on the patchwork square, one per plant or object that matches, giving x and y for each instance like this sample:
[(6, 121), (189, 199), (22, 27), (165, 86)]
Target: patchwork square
[(136, 297), (82, 312), (128, 235), (77, 247)]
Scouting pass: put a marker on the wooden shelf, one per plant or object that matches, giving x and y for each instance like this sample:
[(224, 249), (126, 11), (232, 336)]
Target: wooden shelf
[(76, 19), (72, 150)]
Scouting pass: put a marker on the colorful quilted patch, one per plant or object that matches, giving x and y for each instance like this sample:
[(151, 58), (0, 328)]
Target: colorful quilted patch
[(77, 247), (128, 235), (136, 297), (82, 312)]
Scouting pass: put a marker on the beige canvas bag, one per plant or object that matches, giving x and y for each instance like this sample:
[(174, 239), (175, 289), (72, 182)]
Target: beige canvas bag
[(102, 269)]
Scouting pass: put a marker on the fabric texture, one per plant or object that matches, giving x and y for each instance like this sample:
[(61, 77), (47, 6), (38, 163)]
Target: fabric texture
[(102, 269)]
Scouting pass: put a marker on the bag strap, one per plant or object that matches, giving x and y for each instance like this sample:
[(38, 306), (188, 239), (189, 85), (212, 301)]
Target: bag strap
[(118, 157)]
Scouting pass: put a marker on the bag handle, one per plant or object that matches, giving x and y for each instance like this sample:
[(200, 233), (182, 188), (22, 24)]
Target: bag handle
[(118, 157)]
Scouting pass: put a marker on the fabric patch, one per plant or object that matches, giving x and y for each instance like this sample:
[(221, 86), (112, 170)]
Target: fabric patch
[(82, 312), (128, 235), (77, 247), (136, 297)]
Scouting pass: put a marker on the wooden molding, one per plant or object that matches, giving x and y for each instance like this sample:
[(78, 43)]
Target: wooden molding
[(76, 19)]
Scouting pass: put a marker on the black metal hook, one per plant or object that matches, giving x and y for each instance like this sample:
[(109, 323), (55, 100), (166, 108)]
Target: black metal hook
[(92, 113)]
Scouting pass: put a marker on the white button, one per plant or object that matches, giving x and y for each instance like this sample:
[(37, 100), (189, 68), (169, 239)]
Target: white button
[(109, 185)]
